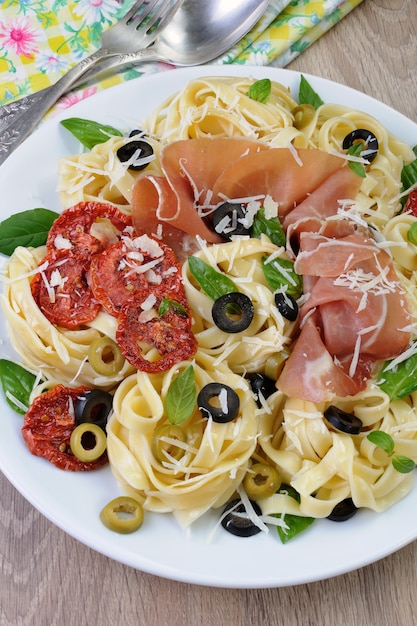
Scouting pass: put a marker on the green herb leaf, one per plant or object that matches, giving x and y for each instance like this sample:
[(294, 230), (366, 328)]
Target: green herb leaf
[(409, 175), (307, 95), (296, 523), (270, 227), (280, 273), (260, 90), (181, 397), (382, 440), (412, 233), (17, 383), (355, 166), (28, 228), (167, 304), (88, 132), (401, 380), (403, 464), (213, 283)]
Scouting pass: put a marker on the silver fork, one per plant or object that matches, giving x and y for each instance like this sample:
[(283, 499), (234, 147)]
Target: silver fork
[(137, 30)]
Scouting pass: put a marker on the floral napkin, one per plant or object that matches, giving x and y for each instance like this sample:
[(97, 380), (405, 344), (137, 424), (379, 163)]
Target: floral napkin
[(41, 40)]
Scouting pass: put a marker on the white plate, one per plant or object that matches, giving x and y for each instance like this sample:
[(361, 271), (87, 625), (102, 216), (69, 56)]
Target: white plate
[(73, 501)]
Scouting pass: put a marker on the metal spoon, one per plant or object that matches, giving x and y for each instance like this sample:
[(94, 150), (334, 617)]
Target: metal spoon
[(199, 32)]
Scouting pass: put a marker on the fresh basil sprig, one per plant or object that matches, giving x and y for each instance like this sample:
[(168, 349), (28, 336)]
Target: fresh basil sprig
[(409, 175), (27, 228), (181, 397), (167, 304), (307, 95), (213, 283), (16, 383), (270, 227), (383, 440), (88, 132), (401, 380), (260, 90), (295, 523), (280, 274)]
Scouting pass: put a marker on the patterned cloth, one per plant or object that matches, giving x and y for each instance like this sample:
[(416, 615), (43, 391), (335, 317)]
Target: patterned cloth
[(41, 39)]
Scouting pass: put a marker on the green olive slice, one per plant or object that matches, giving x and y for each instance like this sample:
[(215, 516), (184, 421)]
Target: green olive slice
[(303, 115), (122, 515), (105, 356), (88, 442), (163, 442), (261, 481)]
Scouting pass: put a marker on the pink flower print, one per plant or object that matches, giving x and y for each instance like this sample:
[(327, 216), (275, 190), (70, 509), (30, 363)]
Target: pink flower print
[(72, 98), (19, 36)]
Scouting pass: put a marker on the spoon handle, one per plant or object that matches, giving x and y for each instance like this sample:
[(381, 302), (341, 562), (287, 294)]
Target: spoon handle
[(18, 119)]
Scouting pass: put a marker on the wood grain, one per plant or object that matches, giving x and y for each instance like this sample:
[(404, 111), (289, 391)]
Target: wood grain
[(49, 579)]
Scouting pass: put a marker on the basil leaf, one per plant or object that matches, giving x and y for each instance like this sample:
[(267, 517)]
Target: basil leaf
[(167, 304), (296, 523), (28, 228), (270, 227), (382, 440), (357, 168), (181, 396), (400, 381), (280, 274), (412, 234), (307, 95), (88, 132), (403, 464), (260, 90), (409, 174), (17, 383), (213, 283)]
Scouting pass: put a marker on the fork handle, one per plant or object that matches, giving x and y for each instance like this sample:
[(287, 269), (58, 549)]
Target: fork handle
[(22, 125)]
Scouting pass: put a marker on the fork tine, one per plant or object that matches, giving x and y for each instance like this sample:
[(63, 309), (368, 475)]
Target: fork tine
[(161, 15), (135, 15)]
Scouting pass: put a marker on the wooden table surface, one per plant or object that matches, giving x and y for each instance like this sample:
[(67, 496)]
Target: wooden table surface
[(48, 578)]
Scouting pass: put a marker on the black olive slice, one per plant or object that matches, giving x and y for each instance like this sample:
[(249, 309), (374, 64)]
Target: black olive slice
[(233, 312), (286, 305), (143, 149), (369, 140), (343, 511), (227, 220), (237, 521), (261, 385), (93, 407), (219, 402), (343, 421)]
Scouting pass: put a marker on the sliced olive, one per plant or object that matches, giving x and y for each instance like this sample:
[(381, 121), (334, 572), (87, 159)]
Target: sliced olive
[(123, 515), (286, 305), (219, 402), (93, 407), (367, 138), (88, 442), (275, 363), (233, 312), (237, 520), (105, 356), (163, 442), (261, 386), (228, 220), (135, 131), (303, 115), (343, 421), (137, 152), (261, 481), (343, 511)]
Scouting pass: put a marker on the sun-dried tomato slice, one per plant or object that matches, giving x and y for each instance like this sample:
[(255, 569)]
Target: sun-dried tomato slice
[(169, 333), (48, 425), (411, 203), (134, 268), (87, 228), (62, 293)]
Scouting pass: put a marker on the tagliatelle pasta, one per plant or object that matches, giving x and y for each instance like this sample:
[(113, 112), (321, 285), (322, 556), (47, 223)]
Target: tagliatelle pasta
[(291, 434)]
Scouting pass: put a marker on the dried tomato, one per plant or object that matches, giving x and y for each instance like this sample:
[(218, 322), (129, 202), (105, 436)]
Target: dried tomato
[(125, 270), (411, 203), (74, 226), (62, 293), (169, 333), (48, 425)]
